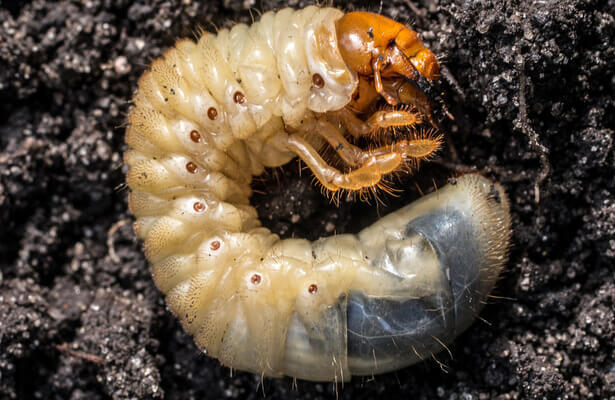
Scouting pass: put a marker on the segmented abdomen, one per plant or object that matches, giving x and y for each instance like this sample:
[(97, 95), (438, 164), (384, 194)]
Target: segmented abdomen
[(205, 120)]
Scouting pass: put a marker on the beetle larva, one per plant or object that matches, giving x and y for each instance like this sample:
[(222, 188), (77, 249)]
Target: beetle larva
[(212, 114)]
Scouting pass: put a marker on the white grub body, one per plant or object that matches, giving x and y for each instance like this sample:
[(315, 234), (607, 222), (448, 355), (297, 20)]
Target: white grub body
[(291, 307)]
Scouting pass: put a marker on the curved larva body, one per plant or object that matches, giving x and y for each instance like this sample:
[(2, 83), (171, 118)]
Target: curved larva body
[(209, 116)]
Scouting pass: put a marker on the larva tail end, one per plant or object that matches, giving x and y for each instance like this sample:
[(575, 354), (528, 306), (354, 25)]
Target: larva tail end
[(468, 221), (492, 212)]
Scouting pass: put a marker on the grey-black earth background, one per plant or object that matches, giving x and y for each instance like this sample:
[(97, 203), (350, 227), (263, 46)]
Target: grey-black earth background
[(77, 324)]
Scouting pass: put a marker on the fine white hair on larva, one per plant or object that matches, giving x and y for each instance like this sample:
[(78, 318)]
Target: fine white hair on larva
[(212, 114)]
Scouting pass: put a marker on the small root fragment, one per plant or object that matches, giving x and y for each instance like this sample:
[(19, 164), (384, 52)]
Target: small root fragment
[(110, 244), (533, 136), (80, 354)]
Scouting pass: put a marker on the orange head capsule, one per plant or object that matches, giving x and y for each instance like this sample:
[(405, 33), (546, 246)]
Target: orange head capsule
[(364, 38), (386, 53)]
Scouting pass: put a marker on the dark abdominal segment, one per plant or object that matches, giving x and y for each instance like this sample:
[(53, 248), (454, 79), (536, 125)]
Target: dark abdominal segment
[(445, 252)]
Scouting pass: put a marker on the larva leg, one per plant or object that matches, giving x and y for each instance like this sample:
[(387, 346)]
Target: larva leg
[(373, 163), (419, 148), (380, 120), (351, 154), (369, 174)]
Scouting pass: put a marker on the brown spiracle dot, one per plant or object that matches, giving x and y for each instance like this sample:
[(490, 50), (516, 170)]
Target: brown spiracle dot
[(239, 98), (212, 113), (255, 279), (198, 206), (195, 136), (312, 288), (191, 167), (215, 245), (318, 81)]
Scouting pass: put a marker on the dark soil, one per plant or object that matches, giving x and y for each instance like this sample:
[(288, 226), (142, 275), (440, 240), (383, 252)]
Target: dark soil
[(79, 321)]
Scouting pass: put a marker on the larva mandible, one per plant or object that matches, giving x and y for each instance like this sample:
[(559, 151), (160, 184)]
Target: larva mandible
[(212, 114)]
